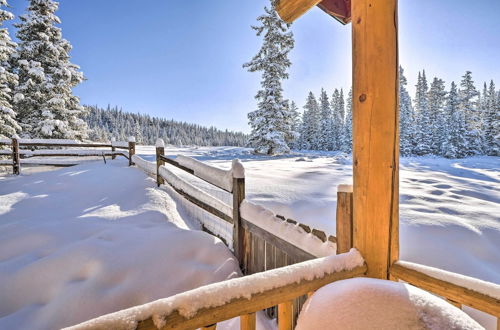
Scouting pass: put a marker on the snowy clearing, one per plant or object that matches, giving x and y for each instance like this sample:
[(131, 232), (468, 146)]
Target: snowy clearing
[(70, 252)]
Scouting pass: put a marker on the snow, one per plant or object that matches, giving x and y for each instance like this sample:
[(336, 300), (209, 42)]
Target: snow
[(219, 177), (237, 169), (486, 288), (159, 143), (70, 252), (291, 233), (119, 144), (366, 303), (217, 294), (51, 141), (5, 141), (146, 166), (131, 139)]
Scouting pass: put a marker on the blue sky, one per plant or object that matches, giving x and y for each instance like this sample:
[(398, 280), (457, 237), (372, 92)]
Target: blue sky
[(182, 59)]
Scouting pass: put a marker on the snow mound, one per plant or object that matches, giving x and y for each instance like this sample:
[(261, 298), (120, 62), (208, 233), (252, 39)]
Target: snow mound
[(219, 177), (365, 303)]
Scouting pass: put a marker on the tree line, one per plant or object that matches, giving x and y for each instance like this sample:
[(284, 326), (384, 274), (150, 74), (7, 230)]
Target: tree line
[(112, 122)]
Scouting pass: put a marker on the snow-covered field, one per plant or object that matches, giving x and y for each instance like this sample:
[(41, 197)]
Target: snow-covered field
[(450, 218), (82, 241)]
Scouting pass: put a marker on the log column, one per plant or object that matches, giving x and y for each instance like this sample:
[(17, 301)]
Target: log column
[(375, 132)]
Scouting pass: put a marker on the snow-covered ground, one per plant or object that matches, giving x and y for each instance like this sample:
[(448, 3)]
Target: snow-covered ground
[(449, 219), (82, 241)]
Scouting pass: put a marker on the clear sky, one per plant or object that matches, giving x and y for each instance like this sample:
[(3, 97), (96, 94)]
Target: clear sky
[(182, 59)]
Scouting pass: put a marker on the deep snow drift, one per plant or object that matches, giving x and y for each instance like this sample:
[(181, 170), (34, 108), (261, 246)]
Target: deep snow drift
[(92, 239)]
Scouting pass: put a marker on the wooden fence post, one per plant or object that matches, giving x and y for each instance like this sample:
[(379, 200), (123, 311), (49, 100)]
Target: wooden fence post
[(344, 218), (160, 151), (16, 163), (113, 149), (238, 197), (375, 132), (131, 150)]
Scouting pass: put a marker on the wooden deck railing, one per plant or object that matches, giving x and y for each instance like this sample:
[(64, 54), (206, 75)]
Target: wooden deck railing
[(204, 307), (22, 149)]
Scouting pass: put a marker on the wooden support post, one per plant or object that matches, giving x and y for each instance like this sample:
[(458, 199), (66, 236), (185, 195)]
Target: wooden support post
[(375, 133), (113, 149), (238, 197), (131, 150), (344, 218), (160, 151), (16, 162), (285, 315), (248, 321)]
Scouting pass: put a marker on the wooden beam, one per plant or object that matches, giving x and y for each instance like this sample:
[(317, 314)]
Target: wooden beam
[(343, 221), (290, 10), (243, 306), (16, 164), (450, 291), (285, 315), (248, 321), (375, 132), (238, 232)]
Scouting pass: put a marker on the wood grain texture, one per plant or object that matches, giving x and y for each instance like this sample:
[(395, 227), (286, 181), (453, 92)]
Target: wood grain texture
[(238, 232), (160, 151), (16, 165), (375, 133), (456, 293), (131, 152), (285, 315), (344, 224), (248, 321), (290, 10)]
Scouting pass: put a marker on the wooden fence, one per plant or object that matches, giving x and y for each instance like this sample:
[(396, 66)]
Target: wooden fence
[(22, 149)]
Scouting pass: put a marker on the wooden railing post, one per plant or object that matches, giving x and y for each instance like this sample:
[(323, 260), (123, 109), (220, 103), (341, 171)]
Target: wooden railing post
[(375, 132), (16, 163), (113, 149), (238, 197), (131, 150), (344, 218), (285, 315), (160, 151), (248, 321)]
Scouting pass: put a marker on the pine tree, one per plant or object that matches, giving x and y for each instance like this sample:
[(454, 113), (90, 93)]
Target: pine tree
[(45, 103), (491, 121), (468, 106), (310, 130), (326, 122), (294, 123), (338, 109), (269, 121), (455, 144), (406, 121), (423, 139), (437, 118), (347, 129), (8, 80)]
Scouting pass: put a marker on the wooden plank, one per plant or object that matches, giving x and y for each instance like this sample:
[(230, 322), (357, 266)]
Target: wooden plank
[(79, 145), (248, 321), (238, 233), (260, 254), (285, 315), (290, 10), (456, 293), (344, 219), (279, 243), (270, 256), (247, 243), (63, 154), (210, 327), (16, 164), (375, 132), (202, 205)]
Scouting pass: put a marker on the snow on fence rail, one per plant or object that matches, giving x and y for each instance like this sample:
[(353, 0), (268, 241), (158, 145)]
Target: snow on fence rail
[(19, 155), (244, 296)]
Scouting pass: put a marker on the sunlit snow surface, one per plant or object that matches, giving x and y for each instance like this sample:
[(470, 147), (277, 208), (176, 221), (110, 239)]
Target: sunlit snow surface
[(67, 245)]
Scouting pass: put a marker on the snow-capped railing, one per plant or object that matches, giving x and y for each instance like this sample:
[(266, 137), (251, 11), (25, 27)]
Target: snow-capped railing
[(204, 307), (457, 289), (40, 148)]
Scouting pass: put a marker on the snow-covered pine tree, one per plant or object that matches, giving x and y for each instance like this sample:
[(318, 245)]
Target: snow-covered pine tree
[(326, 122), (294, 123), (347, 130), (406, 121), (423, 138), (45, 102), (437, 117), (269, 121), (338, 111), (8, 80), (491, 120), (468, 106), (309, 134), (455, 144)]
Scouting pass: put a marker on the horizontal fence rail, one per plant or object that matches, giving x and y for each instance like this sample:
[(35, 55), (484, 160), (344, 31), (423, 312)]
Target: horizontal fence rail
[(22, 149)]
